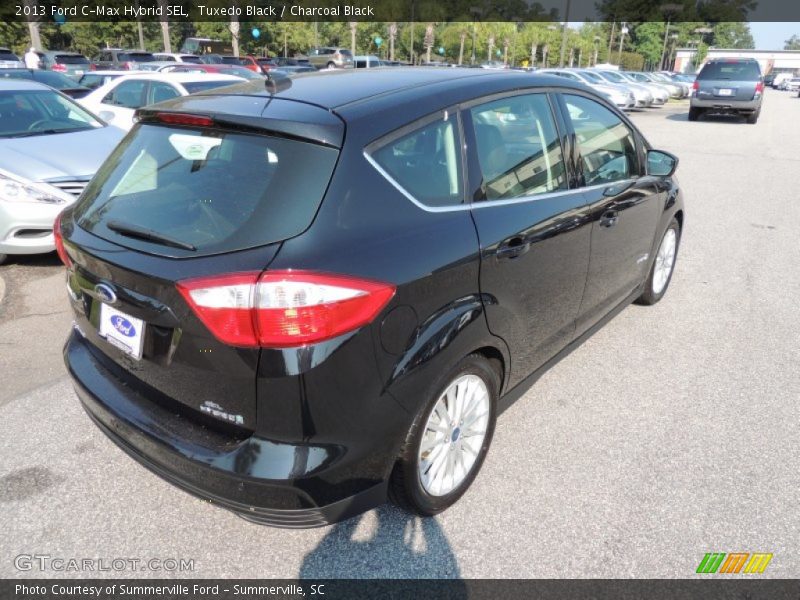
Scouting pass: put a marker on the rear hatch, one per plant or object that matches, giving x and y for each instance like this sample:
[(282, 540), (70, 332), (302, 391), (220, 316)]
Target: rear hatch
[(728, 81), (187, 197), (73, 64)]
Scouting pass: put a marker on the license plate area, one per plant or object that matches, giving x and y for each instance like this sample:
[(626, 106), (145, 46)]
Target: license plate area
[(122, 331), (725, 92)]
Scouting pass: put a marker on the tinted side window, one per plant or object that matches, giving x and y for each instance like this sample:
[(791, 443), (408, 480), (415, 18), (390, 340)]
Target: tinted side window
[(160, 91), (606, 144), (518, 147), (426, 163), (128, 94)]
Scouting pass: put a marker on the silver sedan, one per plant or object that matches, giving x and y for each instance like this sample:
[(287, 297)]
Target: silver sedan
[(51, 147)]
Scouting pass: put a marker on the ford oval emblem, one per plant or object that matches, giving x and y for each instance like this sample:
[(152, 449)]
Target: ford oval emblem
[(105, 293), (124, 326)]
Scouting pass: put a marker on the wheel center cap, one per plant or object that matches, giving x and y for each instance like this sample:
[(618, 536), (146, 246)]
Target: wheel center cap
[(456, 434)]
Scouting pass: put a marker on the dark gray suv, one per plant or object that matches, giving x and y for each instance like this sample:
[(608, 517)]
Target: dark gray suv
[(728, 86)]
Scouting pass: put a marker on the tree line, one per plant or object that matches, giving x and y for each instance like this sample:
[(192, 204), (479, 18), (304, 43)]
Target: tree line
[(633, 45)]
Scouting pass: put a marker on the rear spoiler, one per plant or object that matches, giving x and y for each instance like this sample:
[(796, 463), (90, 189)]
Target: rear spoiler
[(252, 113)]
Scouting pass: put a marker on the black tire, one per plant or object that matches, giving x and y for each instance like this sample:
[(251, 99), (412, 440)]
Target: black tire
[(752, 118), (330, 65), (649, 297), (694, 113), (3, 258), (405, 487)]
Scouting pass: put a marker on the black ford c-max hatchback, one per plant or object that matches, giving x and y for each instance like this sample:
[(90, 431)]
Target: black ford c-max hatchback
[(298, 301)]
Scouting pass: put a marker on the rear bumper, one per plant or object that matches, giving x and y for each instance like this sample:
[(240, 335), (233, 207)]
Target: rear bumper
[(268, 482), (724, 105)]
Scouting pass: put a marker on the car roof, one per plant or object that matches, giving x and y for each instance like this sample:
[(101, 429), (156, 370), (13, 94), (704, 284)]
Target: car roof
[(337, 88), (13, 85), (316, 106)]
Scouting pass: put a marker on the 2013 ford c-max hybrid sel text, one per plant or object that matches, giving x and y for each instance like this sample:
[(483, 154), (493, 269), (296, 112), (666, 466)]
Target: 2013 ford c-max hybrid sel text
[(299, 301)]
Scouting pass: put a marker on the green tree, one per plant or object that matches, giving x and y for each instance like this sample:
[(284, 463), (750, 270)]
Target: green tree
[(732, 35), (793, 43)]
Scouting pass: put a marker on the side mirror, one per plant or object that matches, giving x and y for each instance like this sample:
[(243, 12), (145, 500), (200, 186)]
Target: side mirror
[(106, 115), (660, 163)]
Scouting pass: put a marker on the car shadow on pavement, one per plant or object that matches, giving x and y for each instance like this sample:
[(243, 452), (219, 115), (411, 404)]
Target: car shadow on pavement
[(33, 260), (729, 119), (384, 543)]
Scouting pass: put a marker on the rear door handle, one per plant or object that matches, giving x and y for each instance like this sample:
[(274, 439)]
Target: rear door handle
[(512, 248), (609, 218)]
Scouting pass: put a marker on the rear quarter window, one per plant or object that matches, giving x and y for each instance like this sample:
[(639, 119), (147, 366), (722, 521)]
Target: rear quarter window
[(425, 163), (215, 190)]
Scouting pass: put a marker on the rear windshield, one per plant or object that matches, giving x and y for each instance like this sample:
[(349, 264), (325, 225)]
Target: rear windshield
[(733, 71), (8, 56), (56, 80), (201, 86), (234, 60), (95, 81), (191, 59), (71, 59), (213, 190), (345, 52), (135, 56)]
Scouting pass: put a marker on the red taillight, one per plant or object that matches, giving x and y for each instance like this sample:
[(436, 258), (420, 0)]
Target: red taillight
[(183, 119), (59, 239), (128, 66), (281, 309), (59, 68), (695, 85), (760, 87), (93, 67)]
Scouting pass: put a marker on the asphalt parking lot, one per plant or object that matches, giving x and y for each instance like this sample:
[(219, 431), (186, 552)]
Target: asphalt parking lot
[(672, 432)]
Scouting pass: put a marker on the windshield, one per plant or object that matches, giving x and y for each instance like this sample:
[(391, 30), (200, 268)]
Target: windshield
[(39, 112), (189, 58), (615, 77), (200, 86), (176, 183), (594, 78), (734, 71), (71, 59), (240, 72)]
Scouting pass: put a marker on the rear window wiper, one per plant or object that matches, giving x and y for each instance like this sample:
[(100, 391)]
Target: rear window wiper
[(143, 233)]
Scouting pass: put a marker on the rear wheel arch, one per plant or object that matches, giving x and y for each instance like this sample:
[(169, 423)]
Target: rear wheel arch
[(679, 218), (496, 360)]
